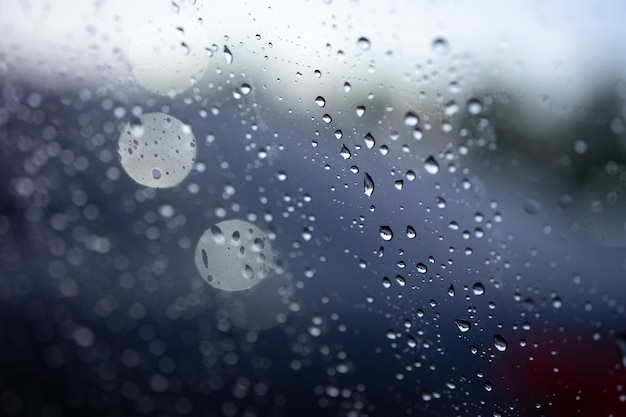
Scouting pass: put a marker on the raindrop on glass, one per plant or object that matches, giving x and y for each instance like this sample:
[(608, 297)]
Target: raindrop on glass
[(368, 185), (363, 43), (463, 325), (431, 165), (478, 289), (385, 233), (228, 56), (370, 142), (500, 343), (411, 119)]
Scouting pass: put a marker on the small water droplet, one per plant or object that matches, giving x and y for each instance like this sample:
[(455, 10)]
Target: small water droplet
[(451, 291), (386, 282), (451, 108), (431, 165), (345, 152), (410, 232), (421, 268), (500, 343), (156, 173), (463, 325), (440, 45), (360, 111), (228, 56), (478, 289), (474, 106), (398, 184), (338, 134), (411, 119), (245, 89), (363, 43), (368, 185), (347, 87), (320, 101), (370, 142), (386, 233)]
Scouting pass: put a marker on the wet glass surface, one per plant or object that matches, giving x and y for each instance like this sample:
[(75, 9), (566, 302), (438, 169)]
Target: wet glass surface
[(312, 208)]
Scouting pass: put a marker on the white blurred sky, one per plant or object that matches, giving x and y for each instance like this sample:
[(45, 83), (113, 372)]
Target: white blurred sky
[(553, 48)]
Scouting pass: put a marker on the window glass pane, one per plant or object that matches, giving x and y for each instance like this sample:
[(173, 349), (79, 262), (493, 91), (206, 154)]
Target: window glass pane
[(350, 208)]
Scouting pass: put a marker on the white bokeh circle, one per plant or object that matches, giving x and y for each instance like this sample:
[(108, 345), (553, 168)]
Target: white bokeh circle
[(158, 151), (234, 255), (168, 54)]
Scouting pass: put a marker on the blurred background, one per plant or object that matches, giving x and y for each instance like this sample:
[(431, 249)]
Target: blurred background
[(329, 208)]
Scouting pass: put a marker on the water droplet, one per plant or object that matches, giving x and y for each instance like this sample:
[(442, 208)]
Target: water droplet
[(205, 259), (451, 108), (368, 185), (282, 176), (360, 111), (347, 87), (421, 268), (386, 233), (248, 272), (478, 289), (345, 152), (431, 165), (228, 56), (156, 173), (532, 206), (370, 142), (338, 134), (463, 325), (386, 282), (245, 89), (474, 106), (411, 119), (500, 343), (320, 101), (363, 44), (398, 185), (440, 46), (451, 291), (410, 232)]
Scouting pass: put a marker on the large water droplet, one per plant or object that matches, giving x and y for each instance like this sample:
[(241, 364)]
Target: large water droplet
[(386, 233), (228, 56), (320, 101), (345, 152), (363, 43), (474, 106), (431, 165), (368, 185), (411, 119), (463, 325), (370, 142), (478, 289), (500, 343)]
